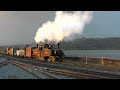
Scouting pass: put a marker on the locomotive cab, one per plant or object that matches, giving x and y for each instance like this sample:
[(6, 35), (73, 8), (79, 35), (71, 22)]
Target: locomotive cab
[(50, 53)]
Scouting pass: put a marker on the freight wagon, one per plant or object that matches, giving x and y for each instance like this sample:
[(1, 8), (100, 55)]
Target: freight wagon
[(28, 52), (22, 52), (12, 51), (17, 53)]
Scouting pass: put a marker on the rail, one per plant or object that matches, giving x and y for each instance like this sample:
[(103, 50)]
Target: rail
[(37, 76), (97, 74), (90, 74), (36, 68), (65, 73), (3, 63)]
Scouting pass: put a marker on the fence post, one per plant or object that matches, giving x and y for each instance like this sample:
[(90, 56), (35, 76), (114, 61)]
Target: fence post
[(86, 60), (102, 61)]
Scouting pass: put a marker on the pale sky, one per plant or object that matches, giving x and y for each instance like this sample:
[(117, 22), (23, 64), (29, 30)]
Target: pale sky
[(20, 27)]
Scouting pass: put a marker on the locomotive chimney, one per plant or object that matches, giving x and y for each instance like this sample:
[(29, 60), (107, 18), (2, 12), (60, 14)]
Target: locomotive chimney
[(58, 45), (37, 45), (27, 45)]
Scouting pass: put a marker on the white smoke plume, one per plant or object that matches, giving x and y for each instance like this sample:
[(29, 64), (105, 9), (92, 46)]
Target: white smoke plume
[(65, 25)]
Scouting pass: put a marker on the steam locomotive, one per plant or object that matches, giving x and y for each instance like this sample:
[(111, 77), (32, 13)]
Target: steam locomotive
[(44, 52)]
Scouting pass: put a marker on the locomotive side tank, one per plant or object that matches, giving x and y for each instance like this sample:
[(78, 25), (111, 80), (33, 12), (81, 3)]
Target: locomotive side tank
[(36, 53)]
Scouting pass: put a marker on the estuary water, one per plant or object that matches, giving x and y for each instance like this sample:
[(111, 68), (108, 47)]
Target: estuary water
[(93, 53)]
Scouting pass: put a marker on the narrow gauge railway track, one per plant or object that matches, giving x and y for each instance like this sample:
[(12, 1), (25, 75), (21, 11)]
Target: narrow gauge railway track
[(37, 76), (58, 67), (91, 66), (35, 68), (3, 63), (97, 74), (23, 67), (83, 65), (50, 75), (45, 72), (71, 74), (56, 72)]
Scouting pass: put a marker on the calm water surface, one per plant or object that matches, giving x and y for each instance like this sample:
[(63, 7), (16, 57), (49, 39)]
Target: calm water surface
[(93, 53)]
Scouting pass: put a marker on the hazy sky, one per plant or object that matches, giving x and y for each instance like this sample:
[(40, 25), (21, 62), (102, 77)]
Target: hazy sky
[(20, 27)]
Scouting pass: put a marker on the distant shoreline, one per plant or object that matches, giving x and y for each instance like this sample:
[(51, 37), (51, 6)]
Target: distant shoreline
[(90, 49)]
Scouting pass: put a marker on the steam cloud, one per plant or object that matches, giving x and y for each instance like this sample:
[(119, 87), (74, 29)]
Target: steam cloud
[(64, 26)]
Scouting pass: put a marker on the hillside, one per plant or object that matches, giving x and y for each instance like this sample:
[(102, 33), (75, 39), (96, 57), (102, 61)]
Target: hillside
[(93, 44), (85, 44)]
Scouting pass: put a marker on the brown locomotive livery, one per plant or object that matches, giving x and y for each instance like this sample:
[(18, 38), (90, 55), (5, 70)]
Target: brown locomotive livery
[(44, 52)]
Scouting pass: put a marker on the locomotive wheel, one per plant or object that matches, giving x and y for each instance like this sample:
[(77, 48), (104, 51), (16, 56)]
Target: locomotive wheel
[(46, 58)]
